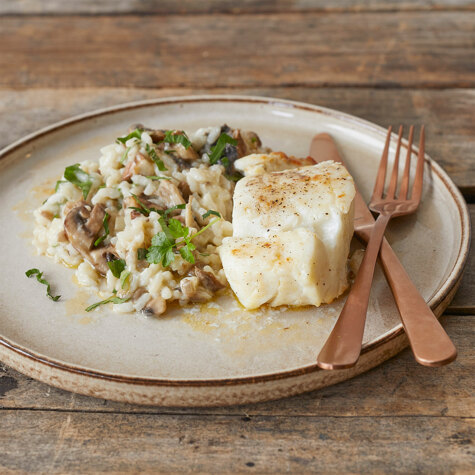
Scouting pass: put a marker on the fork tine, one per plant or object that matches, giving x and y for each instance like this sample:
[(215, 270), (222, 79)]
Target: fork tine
[(381, 177), (417, 187), (394, 174), (407, 166)]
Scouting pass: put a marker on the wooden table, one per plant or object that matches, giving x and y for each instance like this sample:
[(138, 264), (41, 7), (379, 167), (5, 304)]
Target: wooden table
[(387, 61)]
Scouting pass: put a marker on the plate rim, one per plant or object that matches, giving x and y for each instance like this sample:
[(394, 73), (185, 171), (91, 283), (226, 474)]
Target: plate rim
[(437, 301)]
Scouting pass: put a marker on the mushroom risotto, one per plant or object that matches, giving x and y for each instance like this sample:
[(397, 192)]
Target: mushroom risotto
[(143, 224)]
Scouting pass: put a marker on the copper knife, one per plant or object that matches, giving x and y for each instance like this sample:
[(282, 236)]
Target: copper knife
[(429, 341)]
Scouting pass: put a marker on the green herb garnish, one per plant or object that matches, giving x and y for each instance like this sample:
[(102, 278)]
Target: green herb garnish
[(177, 137), (124, 156), (153, 155), (234, 177), (111, 299), (161, 250), (173, 208), (154, 177), (116, 267), (141, 254), (105, 223), (135, 134), (39, 278), (56, 188), (164, 243), (124, 277), (143, 209), (217, 150), (79, 177), (209, 213)]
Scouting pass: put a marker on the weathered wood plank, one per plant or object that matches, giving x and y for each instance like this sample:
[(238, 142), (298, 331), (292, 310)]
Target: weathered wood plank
[(65, 442), (464, 300), (399, 387), (447, 114), (299, 49), (91, 7)]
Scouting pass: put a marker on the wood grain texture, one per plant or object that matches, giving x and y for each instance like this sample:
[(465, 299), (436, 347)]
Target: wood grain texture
[(447, 114), (64, 442), (400, 387), (114, 7), (298, 49), (464, 300)]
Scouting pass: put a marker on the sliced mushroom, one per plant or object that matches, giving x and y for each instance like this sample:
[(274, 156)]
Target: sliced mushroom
[(70, 205), (207, 279), (170, 194), (82, 226), (193, 291), (138, 165), (149, 201), (184, 189), (154, 307), (184, 153), (241, 147), (156, 135), (252, 141), (101, 256), (47, 214)]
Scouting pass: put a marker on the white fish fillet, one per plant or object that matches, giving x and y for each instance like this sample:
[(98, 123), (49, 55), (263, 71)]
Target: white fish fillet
[(305, 215), (260, 163), (288, 268)]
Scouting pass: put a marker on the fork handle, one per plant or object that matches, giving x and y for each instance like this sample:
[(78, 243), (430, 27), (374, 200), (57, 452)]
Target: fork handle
[(343, 347), (429, 342)]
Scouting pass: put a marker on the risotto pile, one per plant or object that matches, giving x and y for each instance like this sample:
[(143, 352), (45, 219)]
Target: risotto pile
[(142, 225)]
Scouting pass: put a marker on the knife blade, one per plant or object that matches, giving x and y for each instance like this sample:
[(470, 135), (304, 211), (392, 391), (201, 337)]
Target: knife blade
[(429, 341)]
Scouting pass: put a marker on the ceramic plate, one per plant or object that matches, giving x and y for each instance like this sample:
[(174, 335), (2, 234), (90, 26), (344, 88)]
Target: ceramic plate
[(217, 353)]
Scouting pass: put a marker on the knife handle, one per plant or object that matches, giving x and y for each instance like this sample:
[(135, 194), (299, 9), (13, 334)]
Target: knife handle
[(429, 342)]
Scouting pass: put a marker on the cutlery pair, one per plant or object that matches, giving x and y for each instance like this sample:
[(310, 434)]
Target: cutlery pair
[(429, 341)]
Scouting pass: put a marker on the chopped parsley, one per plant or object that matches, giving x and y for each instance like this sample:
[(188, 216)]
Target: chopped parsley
[(153, 155), (135, 134), (145, 210), (105, 223), (173, 208), (111, 299), (177, 137), (141, 254), (209, 213), (124, 277), (156, 178), (217, 151), (59, 182), (39, 278), (124, 156), (234, 176), (116, 267), (173, 237), (79, 177)]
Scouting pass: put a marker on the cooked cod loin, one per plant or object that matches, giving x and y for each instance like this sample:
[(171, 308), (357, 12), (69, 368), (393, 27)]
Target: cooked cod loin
[(304, 215), (318, 198), (259, 163), (287, 268)]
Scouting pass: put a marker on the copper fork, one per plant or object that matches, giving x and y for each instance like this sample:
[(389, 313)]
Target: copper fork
[(343, 346)]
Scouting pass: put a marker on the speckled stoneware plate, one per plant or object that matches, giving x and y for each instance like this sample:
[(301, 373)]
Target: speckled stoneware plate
[(216, 354)]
